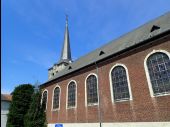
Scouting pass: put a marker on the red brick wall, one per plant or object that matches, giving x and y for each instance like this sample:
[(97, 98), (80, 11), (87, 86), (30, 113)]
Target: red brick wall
[(143, 107)]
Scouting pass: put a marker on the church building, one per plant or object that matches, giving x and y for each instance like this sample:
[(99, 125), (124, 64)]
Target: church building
[(123, 83)]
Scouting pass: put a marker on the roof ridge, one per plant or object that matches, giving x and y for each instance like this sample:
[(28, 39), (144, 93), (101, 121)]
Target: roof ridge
[(136, 36), (121, 36)]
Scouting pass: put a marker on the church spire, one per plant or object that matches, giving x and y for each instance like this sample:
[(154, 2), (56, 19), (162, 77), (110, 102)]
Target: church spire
[(66, 52), (65, 58)]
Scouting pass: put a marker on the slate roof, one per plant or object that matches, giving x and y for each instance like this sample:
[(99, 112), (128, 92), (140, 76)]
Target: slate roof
[(6, 97), (66, 52), (147, 31)]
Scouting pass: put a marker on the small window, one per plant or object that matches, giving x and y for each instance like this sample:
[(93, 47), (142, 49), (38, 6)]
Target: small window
[(101, 53), (44, 99), (154, 27), (56, 98), (69, 67), (91, 86), (71, 99)]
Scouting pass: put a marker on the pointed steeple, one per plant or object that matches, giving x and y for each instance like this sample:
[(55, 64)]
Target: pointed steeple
[(66, 52), (65, 58)]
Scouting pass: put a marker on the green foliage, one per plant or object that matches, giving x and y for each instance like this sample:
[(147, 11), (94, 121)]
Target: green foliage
[(36, 116), (21, 99)]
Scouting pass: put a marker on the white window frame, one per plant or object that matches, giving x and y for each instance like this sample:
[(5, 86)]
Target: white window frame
[(52, 109), (91, 104), (75, 96), (128, 81), (147, 72), (43, 96)]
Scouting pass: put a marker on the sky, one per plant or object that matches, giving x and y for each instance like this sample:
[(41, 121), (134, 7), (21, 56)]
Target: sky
[(33, 32)]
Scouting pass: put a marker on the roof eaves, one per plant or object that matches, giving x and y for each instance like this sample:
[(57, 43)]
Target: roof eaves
[(124, 42), (93, 62)]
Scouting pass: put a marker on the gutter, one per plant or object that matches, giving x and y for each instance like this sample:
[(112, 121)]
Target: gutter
[(115, 54)]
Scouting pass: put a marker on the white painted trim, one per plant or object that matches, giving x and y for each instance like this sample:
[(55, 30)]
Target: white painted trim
[(86, 90), (111, 87), (67, 95), (147, 72), (42, 98), (53, 98)]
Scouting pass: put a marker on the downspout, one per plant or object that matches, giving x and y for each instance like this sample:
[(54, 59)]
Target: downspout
[(99, 107)]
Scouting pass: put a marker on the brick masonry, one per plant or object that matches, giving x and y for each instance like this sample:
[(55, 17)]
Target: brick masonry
[(142, 108)]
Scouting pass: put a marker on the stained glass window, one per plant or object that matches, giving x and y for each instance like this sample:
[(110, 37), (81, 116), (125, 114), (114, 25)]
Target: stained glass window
[(92, 94), (159, 71), (44, 99), (120, 84), (56, 98), (71, 94)]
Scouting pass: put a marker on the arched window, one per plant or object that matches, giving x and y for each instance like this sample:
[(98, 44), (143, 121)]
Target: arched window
[(119, 83), (44, 98), (71, 98), (56, 98), (158, 67), (91, 87)]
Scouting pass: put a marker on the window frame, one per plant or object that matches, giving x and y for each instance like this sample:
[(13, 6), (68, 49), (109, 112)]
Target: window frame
[(72, 107), (52, 109), (128, 81), (42, 95), (91, 104), (147, 71)]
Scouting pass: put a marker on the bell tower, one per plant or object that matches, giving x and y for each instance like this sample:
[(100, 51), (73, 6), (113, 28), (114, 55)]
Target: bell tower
[(65, 58)]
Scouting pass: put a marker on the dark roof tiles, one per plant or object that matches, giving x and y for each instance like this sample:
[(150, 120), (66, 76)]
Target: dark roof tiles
[(137, 36)]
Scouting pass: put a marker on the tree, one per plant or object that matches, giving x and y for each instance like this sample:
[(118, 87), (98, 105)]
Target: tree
[(36, 116), (21, 99)]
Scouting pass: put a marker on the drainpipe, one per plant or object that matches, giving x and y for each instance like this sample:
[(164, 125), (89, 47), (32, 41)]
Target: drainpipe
[(99, 114)]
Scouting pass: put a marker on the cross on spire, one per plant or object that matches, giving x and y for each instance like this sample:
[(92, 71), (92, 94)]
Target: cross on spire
[(66, 18)]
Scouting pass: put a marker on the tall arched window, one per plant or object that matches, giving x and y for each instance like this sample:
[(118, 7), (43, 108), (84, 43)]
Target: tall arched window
[(120, 83), (91, 87), (158, 67), (71, 98), (44, 98), (56, 98)]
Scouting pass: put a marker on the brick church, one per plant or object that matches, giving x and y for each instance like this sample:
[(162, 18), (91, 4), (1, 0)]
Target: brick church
[(123, 83)]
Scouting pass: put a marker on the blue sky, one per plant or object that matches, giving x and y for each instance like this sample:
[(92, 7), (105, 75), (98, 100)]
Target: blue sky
[(33, 32)]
